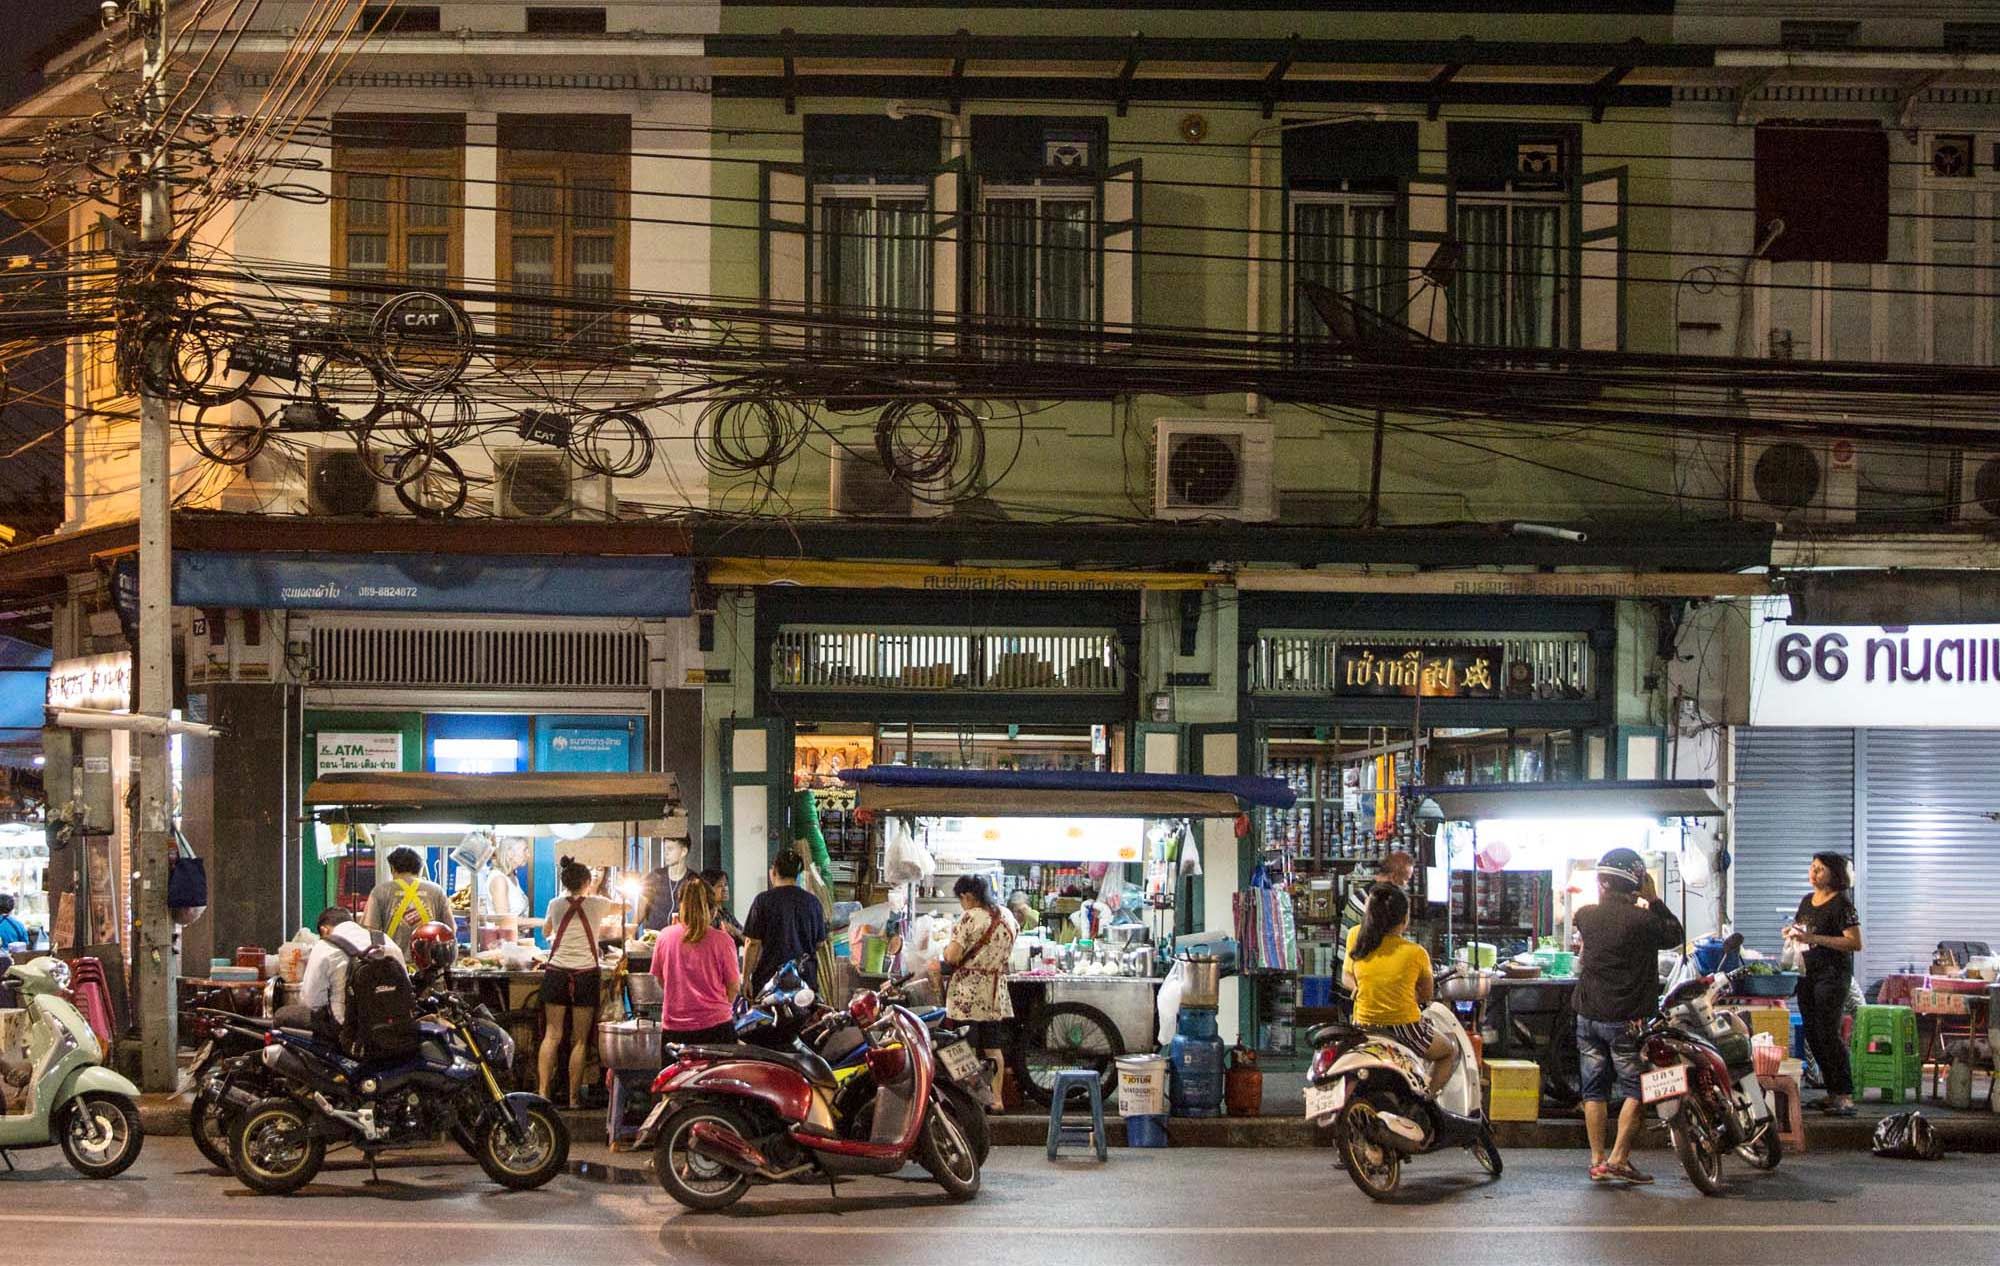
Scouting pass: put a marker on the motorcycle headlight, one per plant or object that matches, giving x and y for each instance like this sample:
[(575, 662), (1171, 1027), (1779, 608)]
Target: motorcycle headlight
[(495, 1044), (59, 972)]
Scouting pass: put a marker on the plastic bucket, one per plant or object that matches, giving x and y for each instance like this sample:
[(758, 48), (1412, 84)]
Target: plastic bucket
[(1142, 1086), (1146, 1131)]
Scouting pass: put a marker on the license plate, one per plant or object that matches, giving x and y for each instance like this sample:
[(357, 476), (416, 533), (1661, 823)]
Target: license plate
[(1323, 1101), (960, 1064), (1663, 1083), (187, 1074), (653, 1118)]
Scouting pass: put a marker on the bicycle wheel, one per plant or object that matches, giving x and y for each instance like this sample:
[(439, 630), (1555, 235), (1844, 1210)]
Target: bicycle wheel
[(1065, 1035)]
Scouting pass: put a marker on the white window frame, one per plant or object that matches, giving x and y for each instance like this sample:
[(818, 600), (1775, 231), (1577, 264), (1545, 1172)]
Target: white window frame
[(1394, 270), (1090, 193), (1815, 342), (875, 192), (1568, 295)]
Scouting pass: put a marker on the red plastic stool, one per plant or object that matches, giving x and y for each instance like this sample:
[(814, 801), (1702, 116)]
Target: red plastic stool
[(1791, 1116)]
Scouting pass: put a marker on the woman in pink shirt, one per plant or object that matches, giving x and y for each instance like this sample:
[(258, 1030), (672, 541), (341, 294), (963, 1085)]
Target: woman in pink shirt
[(698, 972)]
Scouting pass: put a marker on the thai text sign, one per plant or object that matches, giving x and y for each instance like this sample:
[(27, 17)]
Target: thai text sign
[(1444, 672), (1929, 676)]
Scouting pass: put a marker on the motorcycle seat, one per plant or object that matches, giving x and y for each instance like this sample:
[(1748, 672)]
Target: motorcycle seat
[(805, 1063)]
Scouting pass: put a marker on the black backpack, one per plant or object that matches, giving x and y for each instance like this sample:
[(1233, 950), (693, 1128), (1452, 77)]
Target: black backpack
[(381, 1005)]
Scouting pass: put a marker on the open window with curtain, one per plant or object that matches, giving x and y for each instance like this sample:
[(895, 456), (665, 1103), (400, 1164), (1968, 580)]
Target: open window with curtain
[(1039, 259), (564, 232), (1513, 217), (1344, 224)]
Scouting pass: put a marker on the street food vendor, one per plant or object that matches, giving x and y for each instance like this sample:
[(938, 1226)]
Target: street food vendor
[(660, 893)]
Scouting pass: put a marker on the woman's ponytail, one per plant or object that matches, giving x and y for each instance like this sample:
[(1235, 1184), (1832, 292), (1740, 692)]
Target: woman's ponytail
[(1388, 906)]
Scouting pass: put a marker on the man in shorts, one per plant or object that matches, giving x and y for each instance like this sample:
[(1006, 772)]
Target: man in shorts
[(1617, 988)]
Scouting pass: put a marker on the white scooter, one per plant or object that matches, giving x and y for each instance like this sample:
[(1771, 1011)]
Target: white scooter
[(1372, 1089)]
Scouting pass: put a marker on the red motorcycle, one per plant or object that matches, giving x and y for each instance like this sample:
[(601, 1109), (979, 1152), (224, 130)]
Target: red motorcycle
[(733, 1116), (1701, 1079)]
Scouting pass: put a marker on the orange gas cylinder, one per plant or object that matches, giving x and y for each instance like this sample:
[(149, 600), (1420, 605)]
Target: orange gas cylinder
[(1243, 1084)]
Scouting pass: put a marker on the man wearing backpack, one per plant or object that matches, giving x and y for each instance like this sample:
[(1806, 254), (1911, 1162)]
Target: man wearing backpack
[(405, 901), (357, 988)]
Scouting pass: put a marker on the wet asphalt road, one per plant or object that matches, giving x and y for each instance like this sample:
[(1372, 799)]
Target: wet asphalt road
[(1143, 1208)]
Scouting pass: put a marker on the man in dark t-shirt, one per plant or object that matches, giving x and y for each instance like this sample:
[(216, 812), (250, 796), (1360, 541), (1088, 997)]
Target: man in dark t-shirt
[(786, 924), (1617, 988)]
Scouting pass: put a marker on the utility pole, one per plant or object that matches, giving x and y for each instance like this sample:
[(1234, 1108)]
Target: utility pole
[(154, 958)]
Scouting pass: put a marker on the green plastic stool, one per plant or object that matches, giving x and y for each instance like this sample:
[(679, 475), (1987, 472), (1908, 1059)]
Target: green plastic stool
[(1896, 1068)]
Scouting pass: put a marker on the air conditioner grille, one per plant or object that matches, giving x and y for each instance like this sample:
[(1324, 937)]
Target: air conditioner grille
[(1787, 475), (339, 483), (426, 653), (537, 487), (1205, 471)]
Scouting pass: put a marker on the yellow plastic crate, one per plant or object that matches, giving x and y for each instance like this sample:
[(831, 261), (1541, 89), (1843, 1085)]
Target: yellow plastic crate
[(1515, 1105), (1514, 1076), (1777, 1021)]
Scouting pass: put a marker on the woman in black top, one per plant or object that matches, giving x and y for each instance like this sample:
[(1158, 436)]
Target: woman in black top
[(1828, 928)]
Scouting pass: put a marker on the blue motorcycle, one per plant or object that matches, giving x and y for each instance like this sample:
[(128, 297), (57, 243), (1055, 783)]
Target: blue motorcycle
[(447, 1089)]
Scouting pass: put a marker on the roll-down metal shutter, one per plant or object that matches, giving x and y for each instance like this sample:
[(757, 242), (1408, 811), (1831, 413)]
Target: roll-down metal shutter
[(1931, 856), (1794, 797)]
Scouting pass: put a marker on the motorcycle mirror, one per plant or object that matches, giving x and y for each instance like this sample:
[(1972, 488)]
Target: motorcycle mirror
[(1734, 943)]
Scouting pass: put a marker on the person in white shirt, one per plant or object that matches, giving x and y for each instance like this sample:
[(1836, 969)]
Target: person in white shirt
[(572, 986), (323, 988)]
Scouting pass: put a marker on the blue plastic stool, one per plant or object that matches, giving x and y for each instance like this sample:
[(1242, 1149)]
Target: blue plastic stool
[(631, 1099), (1092, 1085)]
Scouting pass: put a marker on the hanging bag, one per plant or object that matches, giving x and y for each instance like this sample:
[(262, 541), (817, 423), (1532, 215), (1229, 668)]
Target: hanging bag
[(187, 882)]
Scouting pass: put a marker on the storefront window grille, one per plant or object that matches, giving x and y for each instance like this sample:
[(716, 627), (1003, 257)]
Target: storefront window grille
[(1017, 661)]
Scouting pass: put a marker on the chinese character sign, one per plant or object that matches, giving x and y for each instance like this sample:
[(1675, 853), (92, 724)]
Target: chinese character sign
[(1443, 672)]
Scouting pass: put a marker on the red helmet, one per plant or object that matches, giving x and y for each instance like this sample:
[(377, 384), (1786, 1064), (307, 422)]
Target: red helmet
[(433, 945)]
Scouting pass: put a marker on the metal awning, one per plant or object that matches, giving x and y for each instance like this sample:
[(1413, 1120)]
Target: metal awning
[(493, 798), (1002, 793), (1598, 798)]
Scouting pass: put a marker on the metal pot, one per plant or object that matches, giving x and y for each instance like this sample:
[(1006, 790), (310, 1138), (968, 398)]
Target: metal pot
[(1203, 982), (646, 989), (629, 1044), (1466, 987)]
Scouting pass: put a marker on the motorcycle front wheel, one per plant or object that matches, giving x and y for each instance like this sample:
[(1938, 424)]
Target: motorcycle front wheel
[(947, 1155), (1487, 1152), (273, 1149), (690, 1178), (100, 1134), (209, 1125), (526, 1161), (1698, 1144), (1375, 1167)]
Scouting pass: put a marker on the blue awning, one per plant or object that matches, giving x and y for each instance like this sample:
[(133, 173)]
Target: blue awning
[(1588, 798), (650, 587)]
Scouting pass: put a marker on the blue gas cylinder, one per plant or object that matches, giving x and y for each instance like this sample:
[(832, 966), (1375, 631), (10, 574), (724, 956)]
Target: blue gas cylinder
[(1194, 1065)]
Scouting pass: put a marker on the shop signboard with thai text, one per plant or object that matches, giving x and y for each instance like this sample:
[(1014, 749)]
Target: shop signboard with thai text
[(358, 753), (1441, 672), (1922, 676)]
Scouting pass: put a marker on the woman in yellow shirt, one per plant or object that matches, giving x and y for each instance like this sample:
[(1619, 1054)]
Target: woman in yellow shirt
[(1390, 978)]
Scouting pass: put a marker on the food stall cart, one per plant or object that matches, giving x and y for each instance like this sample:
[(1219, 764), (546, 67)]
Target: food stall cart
[(1084, 1001), (596, 814), (1490, 833)]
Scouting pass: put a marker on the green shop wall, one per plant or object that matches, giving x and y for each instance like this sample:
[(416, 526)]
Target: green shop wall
[(316, 878), (1095, 457)]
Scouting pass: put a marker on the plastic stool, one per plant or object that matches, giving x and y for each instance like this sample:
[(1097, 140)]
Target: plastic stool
[(1091, 1084), (1791, 1117), (1894, 1070)]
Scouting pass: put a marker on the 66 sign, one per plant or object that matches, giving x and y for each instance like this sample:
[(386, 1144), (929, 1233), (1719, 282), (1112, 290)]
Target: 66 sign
[(1800, 656)]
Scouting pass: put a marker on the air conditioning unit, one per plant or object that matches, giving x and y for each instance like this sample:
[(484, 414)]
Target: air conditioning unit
[(1979, 486), (1796, 479), (338, 484), (535, 483), (1210, 469), (863, 489)]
